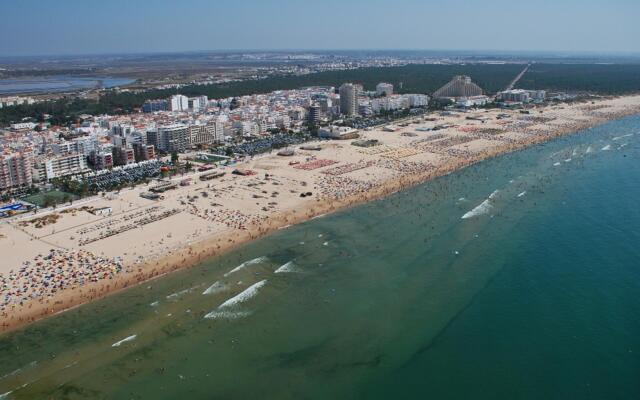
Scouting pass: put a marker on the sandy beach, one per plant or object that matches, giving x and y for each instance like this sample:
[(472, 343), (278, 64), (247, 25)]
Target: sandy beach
[(56, 260)]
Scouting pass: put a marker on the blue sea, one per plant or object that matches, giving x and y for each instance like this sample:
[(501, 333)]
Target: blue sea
[(515, 278)]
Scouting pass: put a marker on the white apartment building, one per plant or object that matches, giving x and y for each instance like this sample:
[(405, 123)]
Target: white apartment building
[(178, 103), (172, 138), (57, 167)]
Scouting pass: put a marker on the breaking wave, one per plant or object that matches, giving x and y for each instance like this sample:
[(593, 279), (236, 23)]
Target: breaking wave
[(522, 194), (623, 136), (125, 340), (243, 296), (215, 288), (484, 208), (589, 150), (607, 147), (288, 267), (227, 314), (175, 295), (246, 264)]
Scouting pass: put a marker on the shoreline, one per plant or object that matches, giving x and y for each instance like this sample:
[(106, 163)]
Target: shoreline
[(217, 244)]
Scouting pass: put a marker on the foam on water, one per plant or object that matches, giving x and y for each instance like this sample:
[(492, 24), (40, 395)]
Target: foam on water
[(288, 267), (567, 160), (623, 136), (215, 288), (484, 208), (227, 314), (607, 147), (589, 150), (494, 194), (557, 164), (522, 194), (5, 395), (243, 296), (10, 374), (154, 304), (125, 340), (175, 295), (246, 264)]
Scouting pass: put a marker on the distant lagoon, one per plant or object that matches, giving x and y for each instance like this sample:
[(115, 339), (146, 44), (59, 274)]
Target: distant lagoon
[(59, 83)]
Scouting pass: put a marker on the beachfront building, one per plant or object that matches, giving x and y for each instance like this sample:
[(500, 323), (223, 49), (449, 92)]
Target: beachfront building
[(123, 155), (205, 134), (101, 159), (171, 138), (56, 167), (337, 132), (349, 99), (143, 152), (459, 86), (521, 96), (15, 170)]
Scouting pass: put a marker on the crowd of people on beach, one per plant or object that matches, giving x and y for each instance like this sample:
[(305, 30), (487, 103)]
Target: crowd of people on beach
[(48, 274), (339, 187), (231, 218)]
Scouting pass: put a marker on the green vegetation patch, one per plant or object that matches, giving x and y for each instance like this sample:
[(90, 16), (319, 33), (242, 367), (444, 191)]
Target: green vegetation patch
[(50, 198)]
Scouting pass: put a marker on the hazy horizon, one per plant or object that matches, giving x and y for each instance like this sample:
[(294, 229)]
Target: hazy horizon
[(73, 27)]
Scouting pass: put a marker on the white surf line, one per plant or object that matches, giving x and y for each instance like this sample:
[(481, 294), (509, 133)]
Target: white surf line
[(227, 314), (10, 374), (243, 296), (623, 136), (522, 194), (246, 264), (125, 340), (215, 288), (178, 294), (288, 267), (5, 395), (607, 147)]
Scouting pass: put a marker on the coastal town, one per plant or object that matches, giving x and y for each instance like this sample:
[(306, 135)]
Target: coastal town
[(187, 178)]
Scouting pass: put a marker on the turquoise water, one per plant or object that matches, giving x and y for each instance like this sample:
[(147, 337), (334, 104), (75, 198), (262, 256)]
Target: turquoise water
[(534, 295)]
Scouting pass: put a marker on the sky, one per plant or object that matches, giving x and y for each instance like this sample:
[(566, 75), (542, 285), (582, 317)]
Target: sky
[(48, 27)]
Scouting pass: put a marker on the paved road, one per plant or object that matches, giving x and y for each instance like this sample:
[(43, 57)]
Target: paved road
[(520, 75)]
